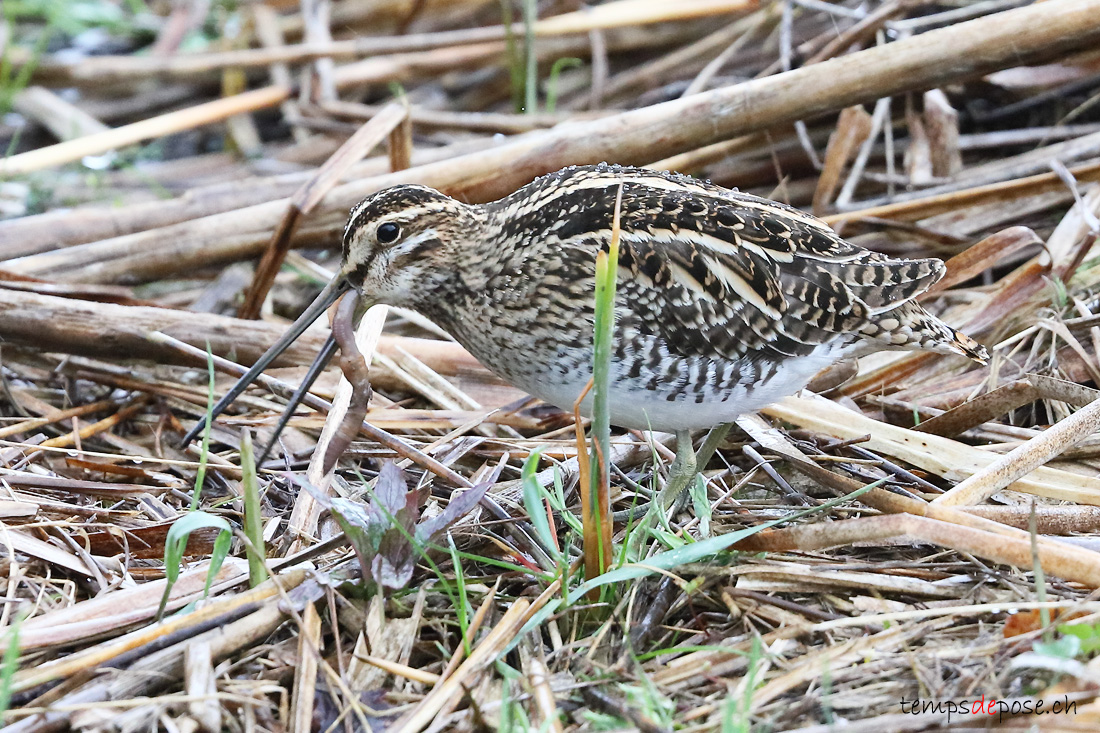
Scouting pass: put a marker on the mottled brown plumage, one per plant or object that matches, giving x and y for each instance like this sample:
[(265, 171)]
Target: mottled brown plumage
[(726, 302)]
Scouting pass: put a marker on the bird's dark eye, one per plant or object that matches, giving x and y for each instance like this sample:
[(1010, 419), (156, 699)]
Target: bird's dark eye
[(388, 233)]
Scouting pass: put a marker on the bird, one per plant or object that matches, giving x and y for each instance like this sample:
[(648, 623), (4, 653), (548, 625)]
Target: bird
[(726, 302)]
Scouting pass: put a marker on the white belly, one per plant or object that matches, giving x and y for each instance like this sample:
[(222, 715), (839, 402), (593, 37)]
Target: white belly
[(632, 405)]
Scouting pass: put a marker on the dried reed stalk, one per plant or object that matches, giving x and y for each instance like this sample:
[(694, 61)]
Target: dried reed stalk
[(954, 53)]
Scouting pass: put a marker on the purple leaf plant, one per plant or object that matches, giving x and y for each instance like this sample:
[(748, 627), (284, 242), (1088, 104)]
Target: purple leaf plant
[(386, 532)]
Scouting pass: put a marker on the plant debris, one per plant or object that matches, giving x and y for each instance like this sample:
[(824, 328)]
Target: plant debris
[(912, 544)]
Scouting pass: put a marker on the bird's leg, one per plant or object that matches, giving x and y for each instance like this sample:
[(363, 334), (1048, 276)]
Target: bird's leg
[(680, 473), (687, 462), (711, 442)]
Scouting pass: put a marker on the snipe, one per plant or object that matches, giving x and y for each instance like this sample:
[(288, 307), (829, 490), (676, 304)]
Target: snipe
[(726, 302)]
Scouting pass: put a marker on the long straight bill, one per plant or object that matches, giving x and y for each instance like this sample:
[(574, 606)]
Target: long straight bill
[(324, 356), (327, 297)]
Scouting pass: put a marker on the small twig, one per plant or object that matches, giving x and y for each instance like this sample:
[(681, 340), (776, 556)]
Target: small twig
[(312, 192)]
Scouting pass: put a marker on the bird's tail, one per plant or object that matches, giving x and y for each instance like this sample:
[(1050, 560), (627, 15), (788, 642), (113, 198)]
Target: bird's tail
[(909, 326)]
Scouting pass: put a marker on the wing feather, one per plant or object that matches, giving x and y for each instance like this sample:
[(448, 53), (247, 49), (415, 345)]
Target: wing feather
[(739, 276), (748, 277)]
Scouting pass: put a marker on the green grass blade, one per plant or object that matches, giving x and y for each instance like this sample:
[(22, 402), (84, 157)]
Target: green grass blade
[(703, 549), (533, 623), (515, 63), (534, 502), (9, 87), (200, 475), (552, 81), (253, 516), (10, 663), (176, 543), (701, 504), (557, 502), (531, 82), (463, 606), (607, 266), (217, 557)]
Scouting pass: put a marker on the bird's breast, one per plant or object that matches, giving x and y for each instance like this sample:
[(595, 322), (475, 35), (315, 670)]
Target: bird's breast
[(650, 387)]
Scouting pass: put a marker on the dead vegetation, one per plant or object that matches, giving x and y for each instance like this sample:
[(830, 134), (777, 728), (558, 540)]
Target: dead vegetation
[(924, 530)]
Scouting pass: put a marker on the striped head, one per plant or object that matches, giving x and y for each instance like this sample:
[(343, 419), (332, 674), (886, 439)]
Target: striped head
[(402, 244)]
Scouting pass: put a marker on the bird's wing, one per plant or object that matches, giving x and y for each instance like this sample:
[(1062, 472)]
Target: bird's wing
[(712, 270), (744, 276)]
